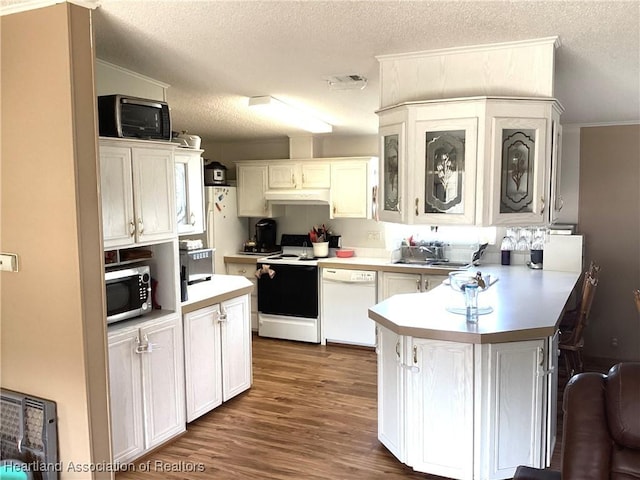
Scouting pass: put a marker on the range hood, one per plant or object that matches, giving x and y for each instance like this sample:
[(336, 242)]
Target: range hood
[(298, 197)]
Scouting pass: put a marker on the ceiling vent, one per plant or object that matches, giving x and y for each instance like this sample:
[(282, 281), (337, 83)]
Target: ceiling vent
[(346, 82)]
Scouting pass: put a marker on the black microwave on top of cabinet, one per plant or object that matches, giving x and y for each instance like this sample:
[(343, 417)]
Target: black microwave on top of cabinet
[(130, 117), (128, 293)]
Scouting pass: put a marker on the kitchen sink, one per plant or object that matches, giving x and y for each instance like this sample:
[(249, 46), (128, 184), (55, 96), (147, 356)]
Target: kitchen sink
[(444, 264)]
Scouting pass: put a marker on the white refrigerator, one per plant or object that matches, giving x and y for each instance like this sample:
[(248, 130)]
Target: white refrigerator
[(226, 232)]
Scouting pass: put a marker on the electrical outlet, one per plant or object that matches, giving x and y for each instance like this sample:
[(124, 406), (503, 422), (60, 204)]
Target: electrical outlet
[(373, 236), (614, 342), (9, 262)]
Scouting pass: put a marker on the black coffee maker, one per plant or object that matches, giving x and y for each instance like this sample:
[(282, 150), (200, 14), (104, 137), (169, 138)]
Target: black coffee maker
[(266, 235)]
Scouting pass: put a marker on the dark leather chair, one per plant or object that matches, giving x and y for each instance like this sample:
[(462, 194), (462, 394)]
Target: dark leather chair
[(601, 428)]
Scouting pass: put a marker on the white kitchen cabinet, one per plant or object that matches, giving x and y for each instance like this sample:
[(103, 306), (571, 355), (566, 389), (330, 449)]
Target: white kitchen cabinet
[(138, 192), (125, 386), (236, 347), (518, 185), (466, 411), (217, 354), (393, 283), (392, 189), (469, 161), (351, 188), (146, 380), (440, 410), (514, 404), (248, 271), (296, 175), (202, 361), (252, 183), (391, 391), (556, 168), (189, 191)]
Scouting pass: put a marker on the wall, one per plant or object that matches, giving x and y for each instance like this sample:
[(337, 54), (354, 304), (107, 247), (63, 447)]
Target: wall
[(52, 330), (610, 220)]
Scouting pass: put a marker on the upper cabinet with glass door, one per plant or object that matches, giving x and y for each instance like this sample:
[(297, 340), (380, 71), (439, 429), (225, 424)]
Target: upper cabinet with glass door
[(189, 191), (470, 161), (391, 184), (445, 183), (522, 175), (428, 167)]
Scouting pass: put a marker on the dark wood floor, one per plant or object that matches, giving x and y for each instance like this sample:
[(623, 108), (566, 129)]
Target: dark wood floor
[(311, 414)]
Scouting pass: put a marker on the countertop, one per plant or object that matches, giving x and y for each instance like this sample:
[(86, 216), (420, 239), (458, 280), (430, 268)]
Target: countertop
[(355, 263), (216, 290), (527, 304)]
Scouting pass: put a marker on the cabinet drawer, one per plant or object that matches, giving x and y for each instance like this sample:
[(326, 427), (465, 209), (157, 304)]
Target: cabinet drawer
[(243, 269)]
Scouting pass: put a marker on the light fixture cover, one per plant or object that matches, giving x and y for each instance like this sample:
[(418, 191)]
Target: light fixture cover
[(287, 113), (352, 81)]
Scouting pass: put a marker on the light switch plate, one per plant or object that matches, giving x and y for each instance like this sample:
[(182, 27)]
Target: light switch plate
[(9, 262)]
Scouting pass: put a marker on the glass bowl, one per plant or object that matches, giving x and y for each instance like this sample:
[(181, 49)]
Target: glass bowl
[(460, 280)]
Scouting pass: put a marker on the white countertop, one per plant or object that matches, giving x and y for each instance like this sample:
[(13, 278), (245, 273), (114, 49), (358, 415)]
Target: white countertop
[(526, 303), (216, 290)]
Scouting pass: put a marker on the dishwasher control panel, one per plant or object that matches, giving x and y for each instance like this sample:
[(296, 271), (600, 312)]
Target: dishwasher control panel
[(349, 276), (363, 277)]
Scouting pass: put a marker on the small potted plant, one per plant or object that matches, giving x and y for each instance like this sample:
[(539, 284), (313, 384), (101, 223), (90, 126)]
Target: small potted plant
[(320, 240)]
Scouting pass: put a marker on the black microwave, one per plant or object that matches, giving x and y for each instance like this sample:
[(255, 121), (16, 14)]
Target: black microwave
[(131, 117), (128, 292)]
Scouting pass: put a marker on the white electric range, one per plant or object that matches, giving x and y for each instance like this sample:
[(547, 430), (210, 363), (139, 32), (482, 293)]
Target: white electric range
[(288, 293)]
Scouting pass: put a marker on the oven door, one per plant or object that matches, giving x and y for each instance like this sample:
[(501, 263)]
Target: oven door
[(293, 291)]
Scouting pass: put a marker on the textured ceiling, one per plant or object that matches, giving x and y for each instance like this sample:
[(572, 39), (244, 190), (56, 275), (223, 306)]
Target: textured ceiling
[(215, 54)]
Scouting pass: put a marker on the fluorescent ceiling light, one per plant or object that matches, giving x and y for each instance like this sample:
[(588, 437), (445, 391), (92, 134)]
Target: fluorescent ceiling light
[(289, 114)]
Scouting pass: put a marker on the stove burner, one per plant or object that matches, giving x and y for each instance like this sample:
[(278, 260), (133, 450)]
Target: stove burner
[(302, 259)]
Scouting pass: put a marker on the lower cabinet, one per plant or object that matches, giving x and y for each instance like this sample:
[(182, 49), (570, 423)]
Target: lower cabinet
[(146, 385), (466, 411), (440, 407), (217, 343), (393, 283), (248, 270), (391, 392)]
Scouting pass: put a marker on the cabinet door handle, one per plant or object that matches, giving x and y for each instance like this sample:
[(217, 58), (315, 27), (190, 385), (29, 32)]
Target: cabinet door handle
[(542, 200), (417, 205), (418, 285), (132, 228), (399, 204), (222, 316), (398, 348), (560, 203), (415, 354), (293, 180), (334, 208), (265, 206), (193, 219), (140, 226), (426, 285), (244, 270)]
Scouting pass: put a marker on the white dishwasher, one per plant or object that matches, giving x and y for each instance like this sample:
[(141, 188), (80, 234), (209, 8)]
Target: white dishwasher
[(347, 296)]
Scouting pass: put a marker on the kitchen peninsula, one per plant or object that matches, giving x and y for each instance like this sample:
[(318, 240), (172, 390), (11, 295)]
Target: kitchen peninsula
[(472, 400)]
